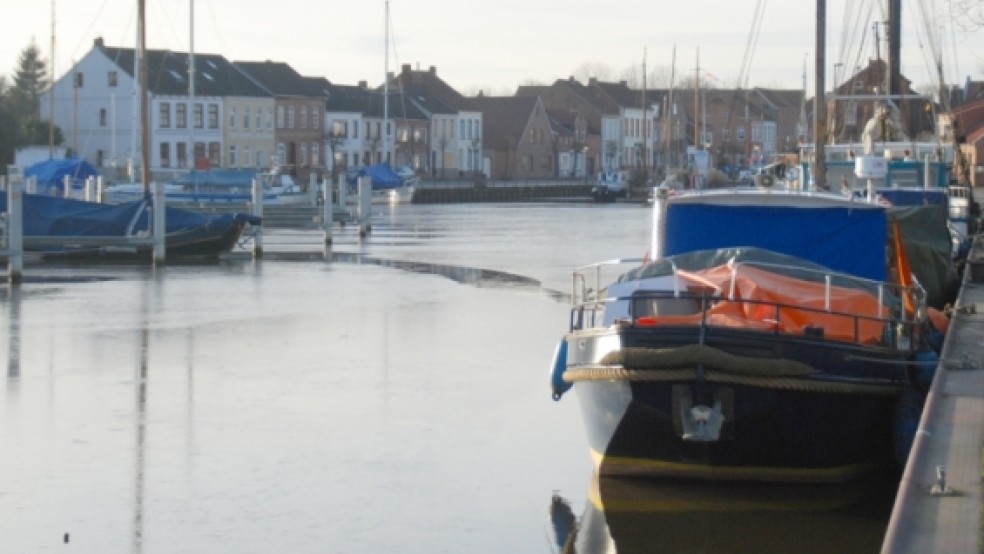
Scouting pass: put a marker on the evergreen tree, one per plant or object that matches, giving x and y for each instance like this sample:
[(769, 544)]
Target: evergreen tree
[(9, 127), (30, 80)]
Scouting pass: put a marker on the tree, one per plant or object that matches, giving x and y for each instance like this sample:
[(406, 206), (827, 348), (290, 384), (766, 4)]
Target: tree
[(30, 80)]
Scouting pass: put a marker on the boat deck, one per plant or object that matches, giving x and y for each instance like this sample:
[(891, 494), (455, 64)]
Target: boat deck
[(938, 507)]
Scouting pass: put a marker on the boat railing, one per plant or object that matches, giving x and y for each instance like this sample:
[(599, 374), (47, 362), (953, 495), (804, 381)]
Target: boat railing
[(894, 314)]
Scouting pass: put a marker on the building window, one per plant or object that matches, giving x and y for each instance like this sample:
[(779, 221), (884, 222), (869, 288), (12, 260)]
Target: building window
[(259, 118), (740, 133), (246, 155), (355, 129), (269, 113), (281, 153), (165, 154), (197, 116), (102, 117), (164, 114), (232, 117), (199, 157), (527, 162), (290, 117), (339, 129), (213, 116), (232, 155), (246, 117), (79, 80), (280, 117), (304, 114), (303, 155), (111, 79), (315, 118), (181, 114), (182, 154), (214, 154), (315, 154)]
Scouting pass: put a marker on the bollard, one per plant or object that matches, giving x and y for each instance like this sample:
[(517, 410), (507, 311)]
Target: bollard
[(365, 205), (257, 210), (160, 227), (100, 190), (15, 231), (329, 210), (67, 181), (32, 185)]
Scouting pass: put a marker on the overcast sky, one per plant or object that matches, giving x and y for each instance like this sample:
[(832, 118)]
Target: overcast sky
[(496, 45)]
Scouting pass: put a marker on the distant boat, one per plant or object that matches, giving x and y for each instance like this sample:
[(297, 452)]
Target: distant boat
[(217, 186), (387, 186), (58, 227)]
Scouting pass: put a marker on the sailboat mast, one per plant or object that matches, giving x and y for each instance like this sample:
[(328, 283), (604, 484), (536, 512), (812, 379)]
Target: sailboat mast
[(645, 118), (819, 100), (51, 89), (386, 79), (191, 85), (144, 108), (669, 117)]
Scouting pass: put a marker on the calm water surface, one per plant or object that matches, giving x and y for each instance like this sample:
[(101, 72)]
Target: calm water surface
[(394, 398)]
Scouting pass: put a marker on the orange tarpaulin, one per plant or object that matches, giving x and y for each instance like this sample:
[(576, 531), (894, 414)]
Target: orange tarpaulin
[(768, 301)]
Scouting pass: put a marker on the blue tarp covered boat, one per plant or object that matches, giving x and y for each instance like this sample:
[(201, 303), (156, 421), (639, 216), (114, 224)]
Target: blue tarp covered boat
[(51, 174), (188, 234), (382, 175)]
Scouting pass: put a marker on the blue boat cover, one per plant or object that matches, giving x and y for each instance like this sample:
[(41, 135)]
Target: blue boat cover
[(51, 173), (54, 216), (382, 175), (843, 239)]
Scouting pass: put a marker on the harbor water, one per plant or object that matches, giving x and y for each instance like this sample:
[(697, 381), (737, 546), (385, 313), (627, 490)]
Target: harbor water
[(390, 396)]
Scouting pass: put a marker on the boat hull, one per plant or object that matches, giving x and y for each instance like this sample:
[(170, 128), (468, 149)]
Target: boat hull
[(817, 428)]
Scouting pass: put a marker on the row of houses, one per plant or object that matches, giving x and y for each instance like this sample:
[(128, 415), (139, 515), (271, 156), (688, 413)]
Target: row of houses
[(208, 112)]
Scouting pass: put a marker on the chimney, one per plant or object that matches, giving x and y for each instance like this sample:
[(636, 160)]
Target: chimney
[(592, 81), (364, 85), (405, 69), (433, 70), (98, 43)]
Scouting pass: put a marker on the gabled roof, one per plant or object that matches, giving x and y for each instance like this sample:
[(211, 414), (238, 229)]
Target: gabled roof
[(425, 101), (167, 73), (347, 98), (282, 80), (503, 117), (357, 99), (781, 98), (432, 84)]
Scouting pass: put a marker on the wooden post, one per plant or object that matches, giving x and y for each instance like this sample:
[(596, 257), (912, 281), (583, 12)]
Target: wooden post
[(15, 231), (257, 210), (365, 205), (328, 209), (160, 223)]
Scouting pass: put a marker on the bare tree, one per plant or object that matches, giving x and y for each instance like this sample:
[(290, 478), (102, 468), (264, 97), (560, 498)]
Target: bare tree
[(968, 14), (597, 70)]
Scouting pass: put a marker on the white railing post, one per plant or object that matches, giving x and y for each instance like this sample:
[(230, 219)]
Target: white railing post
[(160, 223), (67, 181), (257, 210), (100, 189), (15, 231), (90, 189)]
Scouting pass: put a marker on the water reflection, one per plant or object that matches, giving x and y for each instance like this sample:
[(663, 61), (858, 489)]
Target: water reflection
[(630, 516), (13, 334)]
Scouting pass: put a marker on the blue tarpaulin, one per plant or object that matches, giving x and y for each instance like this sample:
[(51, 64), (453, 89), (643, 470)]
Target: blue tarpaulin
[(843, 239), (382, 175), (51, 174)]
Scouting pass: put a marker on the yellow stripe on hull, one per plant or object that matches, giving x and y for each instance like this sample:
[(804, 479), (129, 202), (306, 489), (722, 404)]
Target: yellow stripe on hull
[(619, 465)]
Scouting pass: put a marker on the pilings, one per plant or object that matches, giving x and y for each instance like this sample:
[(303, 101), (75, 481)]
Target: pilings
[(15, 231), (328, 212)]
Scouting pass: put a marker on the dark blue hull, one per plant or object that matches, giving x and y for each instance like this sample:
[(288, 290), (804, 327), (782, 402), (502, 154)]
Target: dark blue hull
[(824, 427)]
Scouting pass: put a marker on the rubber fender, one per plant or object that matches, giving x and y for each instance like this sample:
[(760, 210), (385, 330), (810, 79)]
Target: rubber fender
[(557, 369)]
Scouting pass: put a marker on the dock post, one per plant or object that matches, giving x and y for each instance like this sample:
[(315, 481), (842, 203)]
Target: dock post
[(159, 229), (313, 189), (329, 209), (67, 181), (90, 189), (31, 185), (342, 191), (100, 189), (15, 231), (926, 173), (365, 205), (257, 210)]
